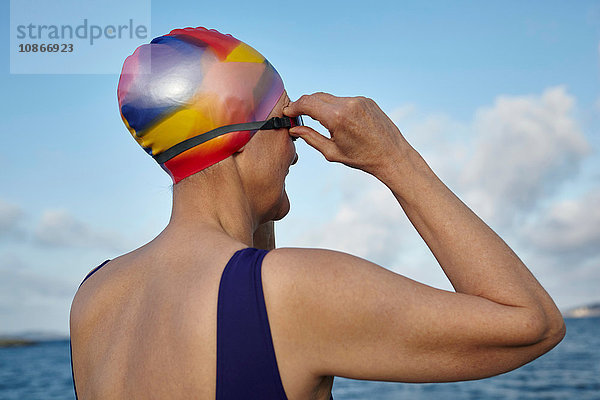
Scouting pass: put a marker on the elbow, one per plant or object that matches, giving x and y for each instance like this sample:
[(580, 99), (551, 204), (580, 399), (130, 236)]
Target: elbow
[(555, 327), (556, 330), (546, 331)]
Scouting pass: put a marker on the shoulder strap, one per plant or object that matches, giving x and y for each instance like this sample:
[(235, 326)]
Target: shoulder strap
[(93, 271), (246, 363)]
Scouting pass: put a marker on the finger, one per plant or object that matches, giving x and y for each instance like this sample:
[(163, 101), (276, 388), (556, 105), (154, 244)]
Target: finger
[(319, 142), (314, 105)]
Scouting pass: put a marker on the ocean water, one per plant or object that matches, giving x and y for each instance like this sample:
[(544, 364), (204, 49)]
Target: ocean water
[(570, 371)]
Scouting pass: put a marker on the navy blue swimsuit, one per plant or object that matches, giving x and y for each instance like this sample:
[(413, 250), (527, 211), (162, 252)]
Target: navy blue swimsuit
[(246, 363)]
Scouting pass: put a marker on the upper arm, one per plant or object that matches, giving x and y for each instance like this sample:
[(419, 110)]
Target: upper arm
[(348, 317)]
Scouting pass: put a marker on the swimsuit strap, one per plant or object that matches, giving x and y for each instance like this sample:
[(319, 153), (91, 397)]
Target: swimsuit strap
[(246, 363), (93, 271)]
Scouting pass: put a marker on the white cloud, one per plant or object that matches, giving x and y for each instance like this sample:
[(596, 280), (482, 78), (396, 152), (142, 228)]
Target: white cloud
[(402, 112), (60, 229), (569, 227), (526, 147), (513, 154), (368, 223), (29, 301), (439, 138), (10, 217)]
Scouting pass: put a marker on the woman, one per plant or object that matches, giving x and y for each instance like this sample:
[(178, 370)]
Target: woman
[(202, 312)]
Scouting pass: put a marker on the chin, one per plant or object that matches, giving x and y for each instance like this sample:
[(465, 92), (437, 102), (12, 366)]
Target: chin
[(284, 208)]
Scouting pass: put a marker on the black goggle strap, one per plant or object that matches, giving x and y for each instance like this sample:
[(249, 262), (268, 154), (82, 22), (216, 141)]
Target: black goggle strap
[(282, 122), (273, 123)]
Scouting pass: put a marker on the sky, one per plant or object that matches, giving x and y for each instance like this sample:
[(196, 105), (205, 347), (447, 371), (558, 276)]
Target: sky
[(501, 98)]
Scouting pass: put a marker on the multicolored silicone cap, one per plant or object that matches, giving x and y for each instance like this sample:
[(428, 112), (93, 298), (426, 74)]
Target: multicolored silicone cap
[(189, 82)]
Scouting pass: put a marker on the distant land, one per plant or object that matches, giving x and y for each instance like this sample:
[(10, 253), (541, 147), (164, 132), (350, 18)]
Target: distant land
[(29, 338), (16, 342), (591, 310)]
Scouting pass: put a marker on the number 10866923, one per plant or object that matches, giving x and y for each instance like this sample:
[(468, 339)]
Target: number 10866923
[(46, 48)]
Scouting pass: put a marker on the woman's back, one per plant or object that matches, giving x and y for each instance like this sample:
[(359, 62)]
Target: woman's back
[(166, 296), (149, 296)]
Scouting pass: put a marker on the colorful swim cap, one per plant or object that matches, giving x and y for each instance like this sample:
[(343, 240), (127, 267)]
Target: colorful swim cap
[(189, 82)]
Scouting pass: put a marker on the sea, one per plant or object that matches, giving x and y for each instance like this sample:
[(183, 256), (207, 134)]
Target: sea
[(570, 371)]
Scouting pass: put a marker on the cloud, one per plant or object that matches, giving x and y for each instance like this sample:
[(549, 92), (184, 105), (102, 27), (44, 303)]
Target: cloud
[(526, 147), (368, 223), (438, 137), (402, 112), (10, 218), (30, 301), (58, 228), (568, 228), (511, 156)]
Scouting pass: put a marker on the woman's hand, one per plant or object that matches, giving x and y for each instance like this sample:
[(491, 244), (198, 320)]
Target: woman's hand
[(362, 136)]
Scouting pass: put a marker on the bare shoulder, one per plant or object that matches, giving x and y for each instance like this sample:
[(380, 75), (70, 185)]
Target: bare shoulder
[(332, 276), (321, 265), (94, 292), (326, 281), (322, 301)]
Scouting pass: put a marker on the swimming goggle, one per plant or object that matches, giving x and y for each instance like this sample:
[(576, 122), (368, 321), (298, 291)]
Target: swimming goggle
[(273, 123)]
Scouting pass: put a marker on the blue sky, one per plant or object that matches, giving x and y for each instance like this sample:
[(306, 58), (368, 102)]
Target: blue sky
[(502, 99)]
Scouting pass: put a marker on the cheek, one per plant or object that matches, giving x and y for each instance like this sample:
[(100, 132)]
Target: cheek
[(291, 152), (283, 153), (274, 156)]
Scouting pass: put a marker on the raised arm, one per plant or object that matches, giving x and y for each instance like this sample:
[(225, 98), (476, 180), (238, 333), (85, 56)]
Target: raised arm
[(356, 319)]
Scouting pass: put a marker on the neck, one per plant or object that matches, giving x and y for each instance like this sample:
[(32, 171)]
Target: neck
[(215, 201)]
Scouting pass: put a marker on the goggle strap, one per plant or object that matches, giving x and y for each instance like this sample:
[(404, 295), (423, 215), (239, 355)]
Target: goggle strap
[(205, 137), (273, 123)]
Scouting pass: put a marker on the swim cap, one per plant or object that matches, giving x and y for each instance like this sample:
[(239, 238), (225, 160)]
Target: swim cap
[(189, 82)]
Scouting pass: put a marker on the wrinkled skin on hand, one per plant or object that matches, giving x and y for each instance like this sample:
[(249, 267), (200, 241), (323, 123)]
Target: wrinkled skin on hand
[(362, 135)]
